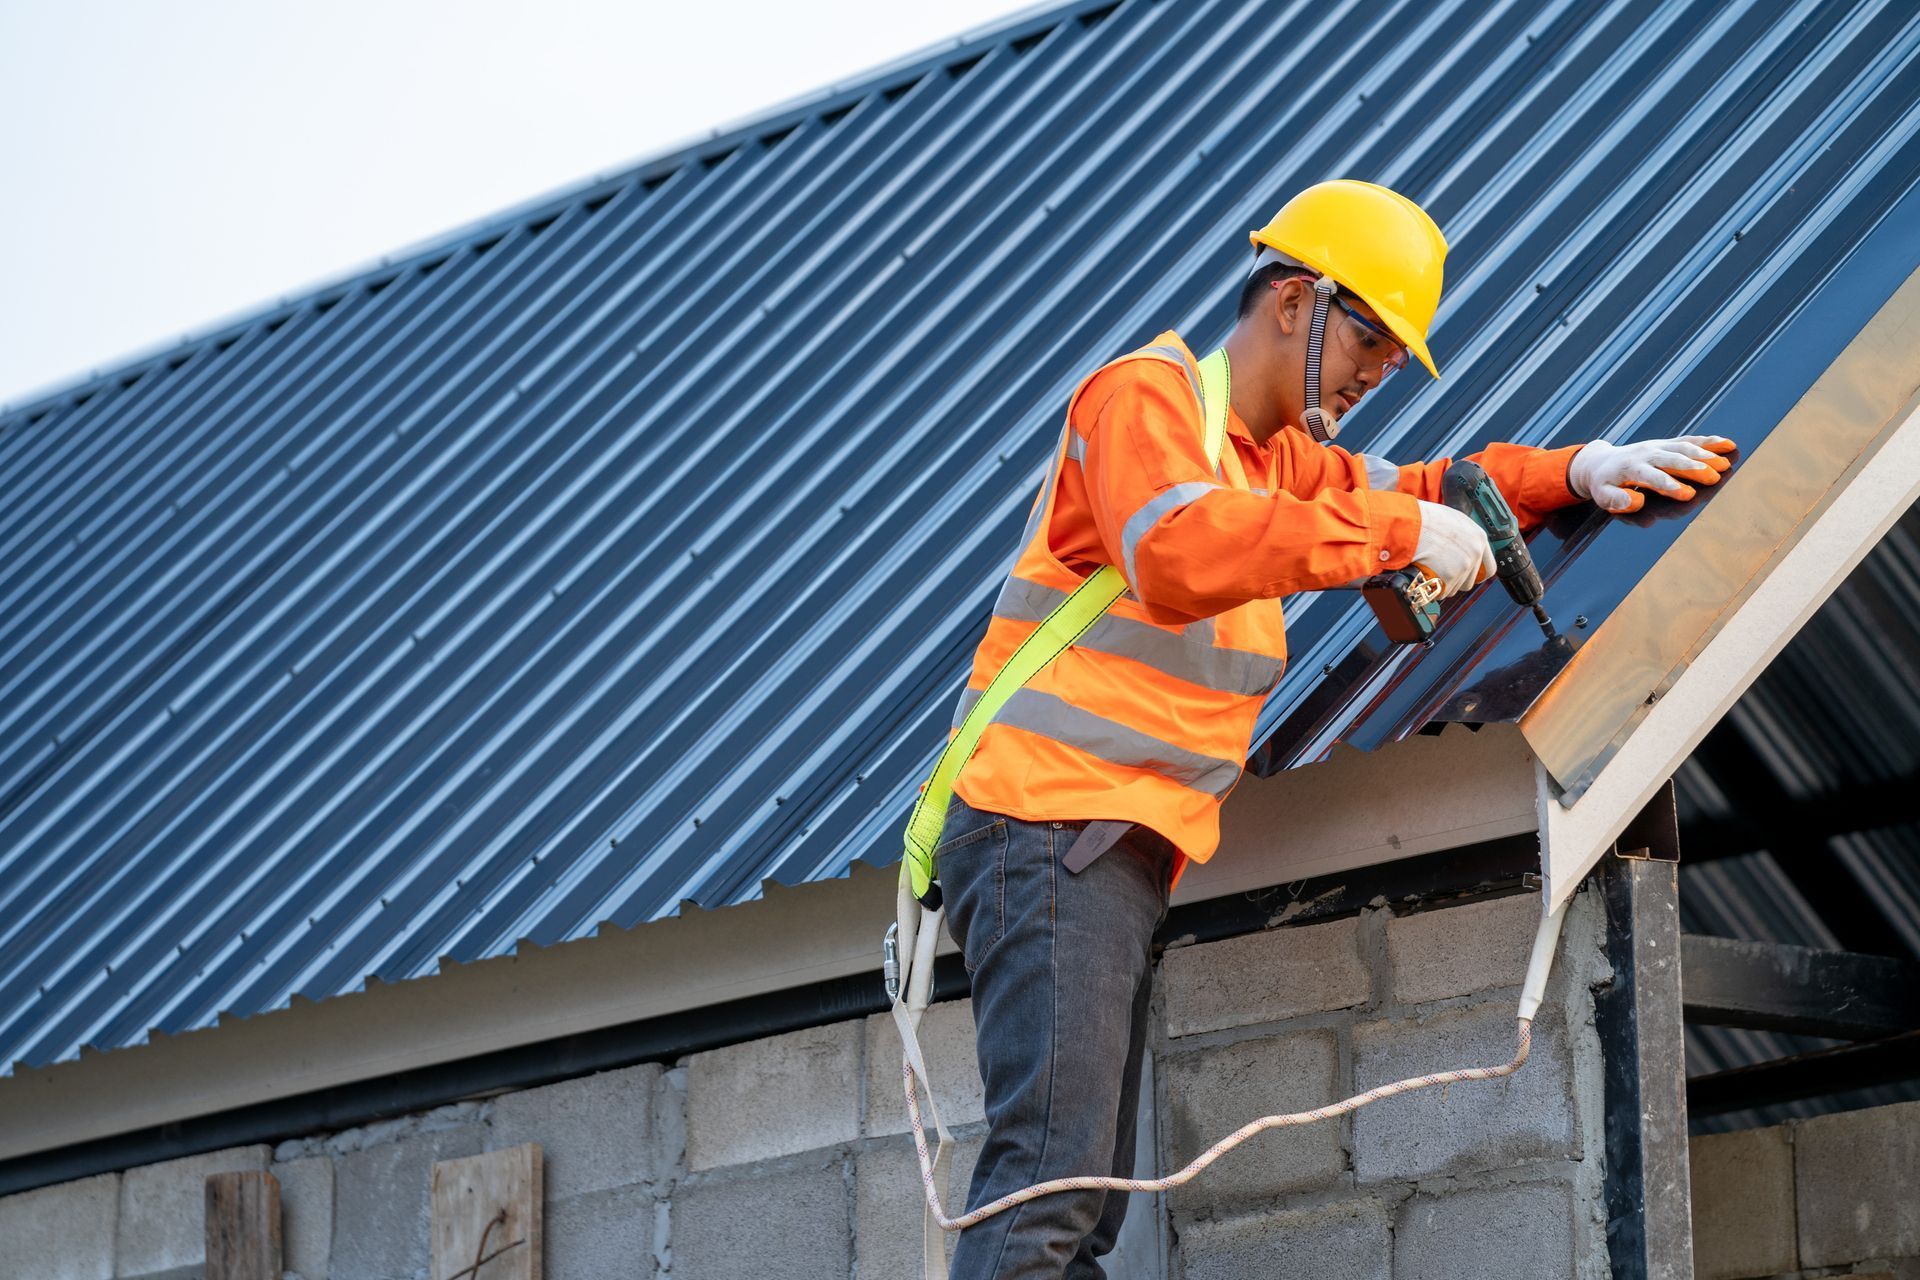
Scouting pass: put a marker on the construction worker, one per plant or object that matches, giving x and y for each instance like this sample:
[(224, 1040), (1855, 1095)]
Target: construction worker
[(1094, 785)]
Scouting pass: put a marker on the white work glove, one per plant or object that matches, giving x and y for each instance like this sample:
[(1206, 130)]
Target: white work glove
[(1613, 475), (1454, 548)]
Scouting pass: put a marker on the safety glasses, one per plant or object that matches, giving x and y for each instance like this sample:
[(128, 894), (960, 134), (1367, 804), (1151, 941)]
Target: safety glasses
[(1371, 344)]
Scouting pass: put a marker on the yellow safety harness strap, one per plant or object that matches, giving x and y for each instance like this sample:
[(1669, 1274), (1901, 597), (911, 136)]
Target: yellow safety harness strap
[(1070, 620)]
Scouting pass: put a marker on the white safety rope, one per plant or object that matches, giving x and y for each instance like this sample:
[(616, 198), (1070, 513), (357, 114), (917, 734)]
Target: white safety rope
[(917, 928)]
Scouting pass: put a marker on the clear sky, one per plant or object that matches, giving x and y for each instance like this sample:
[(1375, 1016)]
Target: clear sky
[(164, 165)]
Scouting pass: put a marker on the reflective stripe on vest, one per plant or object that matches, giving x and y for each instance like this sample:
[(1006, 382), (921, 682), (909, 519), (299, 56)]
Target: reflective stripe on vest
[(1381, 474), (1187, 655), (1149, 515), (1054, 717)]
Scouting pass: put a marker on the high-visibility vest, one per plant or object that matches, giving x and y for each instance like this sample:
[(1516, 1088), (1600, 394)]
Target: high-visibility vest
[(1134, 720)]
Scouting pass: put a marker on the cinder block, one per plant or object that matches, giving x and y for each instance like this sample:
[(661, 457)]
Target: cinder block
[(306, 1215), (888, 1202), (383, 1208), (1350, 1241), (597, 1132), (1455, 951), (773, 1097), (1468, 1124), (600, 1235), (62, 1232), (946, 1039), (1855, 1175), (1522, 1232), (163, 1209), (1212, 1092), (1743, 1221), (791, 1223), (1264, 977)]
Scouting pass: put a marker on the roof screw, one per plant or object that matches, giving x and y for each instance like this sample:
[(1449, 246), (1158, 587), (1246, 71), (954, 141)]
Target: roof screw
[(1540, 287), (1580, 620), (696, 822), (1327, 670)]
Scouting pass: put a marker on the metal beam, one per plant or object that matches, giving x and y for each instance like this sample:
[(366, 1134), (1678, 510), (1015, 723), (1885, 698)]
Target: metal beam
[(1766, 986), (1637, 1015), (1809, 1075)]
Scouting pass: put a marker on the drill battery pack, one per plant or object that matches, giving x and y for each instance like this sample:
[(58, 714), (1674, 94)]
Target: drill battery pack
[(1406, 602)]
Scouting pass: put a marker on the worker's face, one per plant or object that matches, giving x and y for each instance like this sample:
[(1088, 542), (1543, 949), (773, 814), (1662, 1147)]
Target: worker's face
[(1355, 356)]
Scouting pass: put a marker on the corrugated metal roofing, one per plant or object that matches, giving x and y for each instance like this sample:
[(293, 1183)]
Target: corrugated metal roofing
[(629, 550)]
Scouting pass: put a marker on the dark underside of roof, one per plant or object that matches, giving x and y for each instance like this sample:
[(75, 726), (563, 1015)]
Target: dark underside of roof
[(1800, 813), (630, 551)]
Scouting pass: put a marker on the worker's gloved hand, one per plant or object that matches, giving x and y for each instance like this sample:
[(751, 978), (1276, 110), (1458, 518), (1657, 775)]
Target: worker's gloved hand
[(1454, 548), (1613, 474)]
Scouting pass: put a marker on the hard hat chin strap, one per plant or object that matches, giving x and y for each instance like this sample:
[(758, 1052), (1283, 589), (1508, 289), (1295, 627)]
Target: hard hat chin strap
[(1321, 427)]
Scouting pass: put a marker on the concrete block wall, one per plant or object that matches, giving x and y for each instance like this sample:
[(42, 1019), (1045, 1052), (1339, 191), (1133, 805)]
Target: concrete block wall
[(1487, 1179), (790, 1155), (784, 1156), (1836, 1195), (355, 1204)]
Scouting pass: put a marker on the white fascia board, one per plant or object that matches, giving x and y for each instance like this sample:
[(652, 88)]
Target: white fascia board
[(1411, 797)]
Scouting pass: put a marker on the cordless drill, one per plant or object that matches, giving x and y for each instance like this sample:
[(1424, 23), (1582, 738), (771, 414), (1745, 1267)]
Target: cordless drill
[(1407, 601)]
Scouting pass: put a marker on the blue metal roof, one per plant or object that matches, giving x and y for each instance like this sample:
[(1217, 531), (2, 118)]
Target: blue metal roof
[(630, 550)]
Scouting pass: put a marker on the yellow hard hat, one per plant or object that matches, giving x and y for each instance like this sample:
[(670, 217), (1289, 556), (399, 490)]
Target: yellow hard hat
[(1375, 242)]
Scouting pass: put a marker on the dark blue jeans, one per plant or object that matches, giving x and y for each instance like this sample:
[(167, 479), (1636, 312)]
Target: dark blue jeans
[(1062, 969)]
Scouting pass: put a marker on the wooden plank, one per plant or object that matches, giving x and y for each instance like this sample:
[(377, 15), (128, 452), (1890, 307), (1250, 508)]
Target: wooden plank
[(486, 1215), (243, 1226)]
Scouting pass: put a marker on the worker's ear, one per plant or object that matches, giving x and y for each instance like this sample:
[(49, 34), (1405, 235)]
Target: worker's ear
[(1288, 300)]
